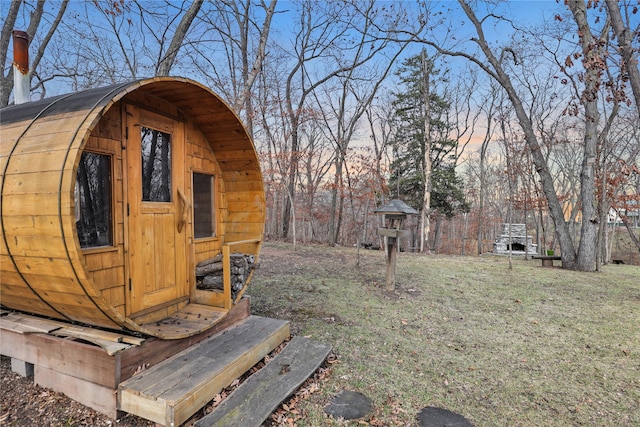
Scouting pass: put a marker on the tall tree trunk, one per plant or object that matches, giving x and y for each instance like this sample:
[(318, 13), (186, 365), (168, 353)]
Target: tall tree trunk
[(426, 162), (593, 61), (437, 238), (334, 202), (465, 230), (483, 178), (601, 256), (507, 150), (291, 179), (340, 209)]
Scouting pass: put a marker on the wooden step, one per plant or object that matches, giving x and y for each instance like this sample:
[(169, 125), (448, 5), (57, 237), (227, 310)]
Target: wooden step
[(252, 402), (172, 391)]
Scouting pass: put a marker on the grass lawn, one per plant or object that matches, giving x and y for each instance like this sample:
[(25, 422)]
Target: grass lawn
[(531, 346)]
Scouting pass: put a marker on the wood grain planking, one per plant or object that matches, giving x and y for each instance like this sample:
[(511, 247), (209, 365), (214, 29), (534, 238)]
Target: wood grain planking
[(43, 182), (45, 266), (30, 303), (79, 308), (94, 261), (246, 217), (246, 196), (48, 284), (184, 387), (211, 298), (108, 278), (236, 231), (234, 183), (109, 346), (168, 243), (150, 102), (114, 296), (30, 204), (72, 358), (175, 326), (255, 399), (160, 237), (156, 350), (199, 310), (98, 397), (25, 324), (164, 378), (239, 165), (30, 164), (200, 397), (111, 257), (245, 154), (56, 121), (31, 225), (33, 144)]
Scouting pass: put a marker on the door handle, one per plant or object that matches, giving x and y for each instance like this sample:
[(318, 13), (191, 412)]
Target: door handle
[(185, 206)]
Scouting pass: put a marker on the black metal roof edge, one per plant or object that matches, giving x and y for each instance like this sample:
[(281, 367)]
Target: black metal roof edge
[(58, 104)]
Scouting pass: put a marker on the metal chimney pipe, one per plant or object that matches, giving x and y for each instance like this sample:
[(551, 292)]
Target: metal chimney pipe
[(21, 86)]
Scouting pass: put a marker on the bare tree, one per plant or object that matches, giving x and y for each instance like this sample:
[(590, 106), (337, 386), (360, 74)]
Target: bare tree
[(489, 109), (6, 85), (584, 257), (594, 64), (625, 36), (350, 95), (164, 65), (231, 26), (315, 38)]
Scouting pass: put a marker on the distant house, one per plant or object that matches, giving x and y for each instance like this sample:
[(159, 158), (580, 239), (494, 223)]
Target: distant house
[(632, 214)]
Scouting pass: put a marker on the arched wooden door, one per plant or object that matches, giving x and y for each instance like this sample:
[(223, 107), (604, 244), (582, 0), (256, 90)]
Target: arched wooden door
[(157, 235)]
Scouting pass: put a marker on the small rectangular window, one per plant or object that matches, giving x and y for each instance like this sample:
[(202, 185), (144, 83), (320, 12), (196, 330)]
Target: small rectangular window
[(93, 201), (203, 205), (156, 165)]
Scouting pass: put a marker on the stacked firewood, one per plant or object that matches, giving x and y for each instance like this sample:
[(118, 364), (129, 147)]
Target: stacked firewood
[(209, 272)]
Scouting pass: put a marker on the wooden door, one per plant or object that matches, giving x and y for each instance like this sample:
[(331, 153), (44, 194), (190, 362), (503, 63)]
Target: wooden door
[(157, 242)]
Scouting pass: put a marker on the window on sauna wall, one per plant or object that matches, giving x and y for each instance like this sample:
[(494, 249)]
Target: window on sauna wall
[(203, 205), (156, 165), (93, 201)]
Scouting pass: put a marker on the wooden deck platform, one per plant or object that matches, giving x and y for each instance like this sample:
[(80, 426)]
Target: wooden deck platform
[(251, 403), (88, 364), (182, 323), (172, 391)]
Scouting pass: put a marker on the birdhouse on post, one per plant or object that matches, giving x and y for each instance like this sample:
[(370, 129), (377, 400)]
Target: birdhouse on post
[(394, 213)]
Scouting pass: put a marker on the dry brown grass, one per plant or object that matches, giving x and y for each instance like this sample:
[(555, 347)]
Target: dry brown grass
[(530, 346)]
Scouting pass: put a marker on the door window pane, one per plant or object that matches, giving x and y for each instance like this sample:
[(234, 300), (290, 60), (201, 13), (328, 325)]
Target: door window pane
[(93, 200), (156, 165), (203, 205)]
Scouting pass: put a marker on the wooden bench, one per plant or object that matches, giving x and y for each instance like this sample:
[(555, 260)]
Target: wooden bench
[(547, 260)]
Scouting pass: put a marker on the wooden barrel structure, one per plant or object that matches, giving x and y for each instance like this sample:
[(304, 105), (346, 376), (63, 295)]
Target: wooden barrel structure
[(112, 196)]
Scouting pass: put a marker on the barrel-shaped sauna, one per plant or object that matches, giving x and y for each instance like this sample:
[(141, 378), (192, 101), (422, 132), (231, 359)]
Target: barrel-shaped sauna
[(112, 196)]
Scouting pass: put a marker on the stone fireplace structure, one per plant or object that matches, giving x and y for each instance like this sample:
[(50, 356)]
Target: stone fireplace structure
[(520, 243)]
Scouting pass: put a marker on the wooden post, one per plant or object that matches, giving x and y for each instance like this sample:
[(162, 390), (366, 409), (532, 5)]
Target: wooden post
[(394, 213), (395, 226), (391, 263)]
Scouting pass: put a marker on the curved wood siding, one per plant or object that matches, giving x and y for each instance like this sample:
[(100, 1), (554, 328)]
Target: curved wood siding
[(43, 269)]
